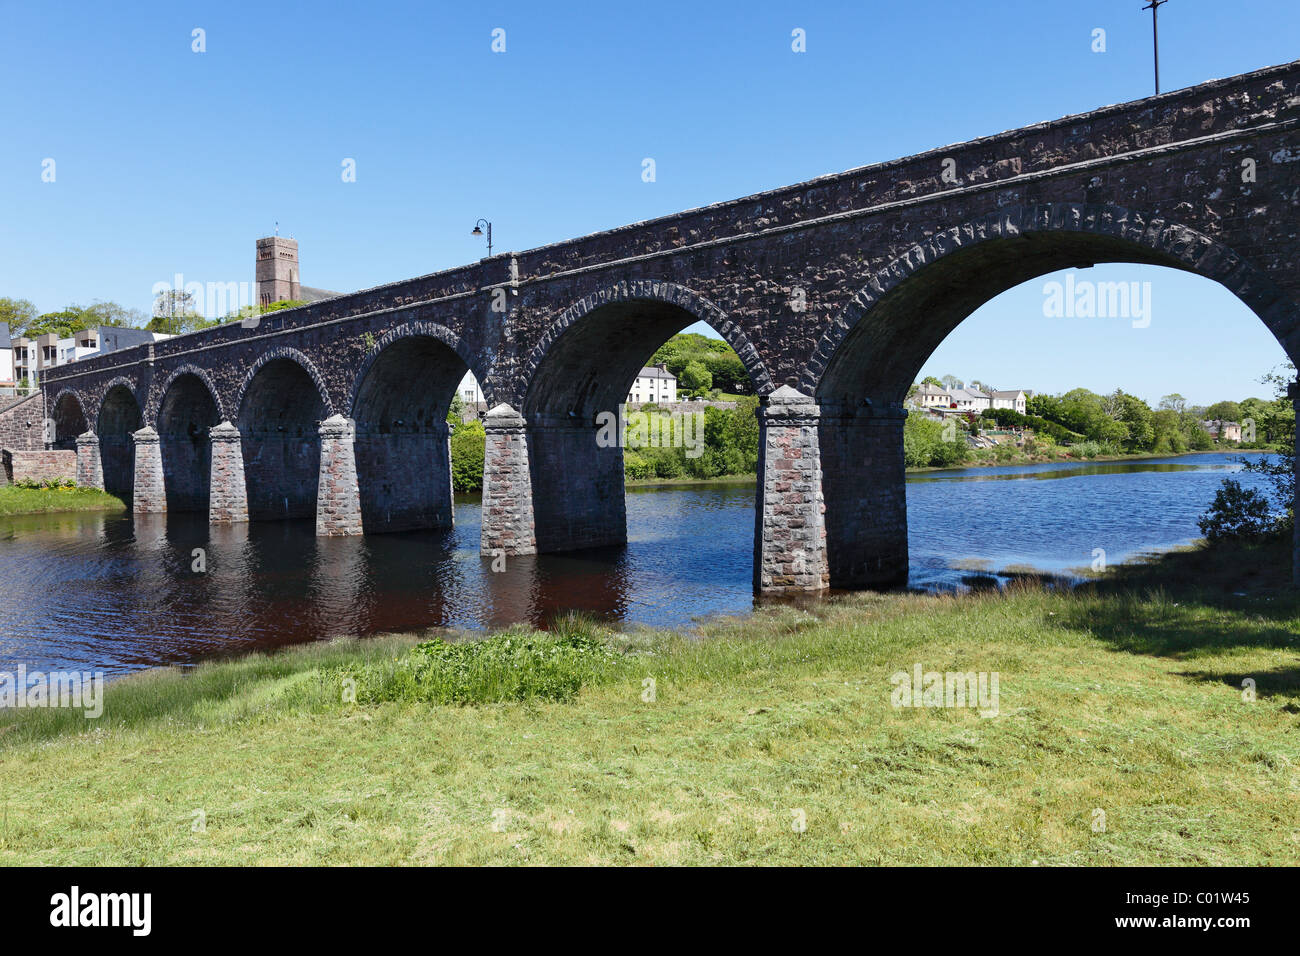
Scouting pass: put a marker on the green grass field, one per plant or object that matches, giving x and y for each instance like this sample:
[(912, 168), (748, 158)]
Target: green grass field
[(20, 501), (1122, 737)]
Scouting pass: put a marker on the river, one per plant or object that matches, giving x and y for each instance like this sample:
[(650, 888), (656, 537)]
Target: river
[(116, 594)]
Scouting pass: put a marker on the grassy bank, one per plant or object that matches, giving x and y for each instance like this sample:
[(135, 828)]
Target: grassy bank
[(22, 501), (1124, 697)]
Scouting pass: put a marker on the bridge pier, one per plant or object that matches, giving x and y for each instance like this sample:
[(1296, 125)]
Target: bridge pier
[(227, 492), (507, 485), (789, 514), (578, 486), (90, 470), (404, 476), (338, 497), (864, 484), (148, 489)]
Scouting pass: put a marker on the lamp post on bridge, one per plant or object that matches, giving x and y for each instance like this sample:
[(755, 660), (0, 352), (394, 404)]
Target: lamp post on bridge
[(478, 232), (1154, 7)]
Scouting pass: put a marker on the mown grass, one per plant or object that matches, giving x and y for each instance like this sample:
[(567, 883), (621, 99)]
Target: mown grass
[(20, 501), (647, 747)]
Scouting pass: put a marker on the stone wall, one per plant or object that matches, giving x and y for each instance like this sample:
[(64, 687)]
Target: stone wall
[(22, 424), (21, 465)]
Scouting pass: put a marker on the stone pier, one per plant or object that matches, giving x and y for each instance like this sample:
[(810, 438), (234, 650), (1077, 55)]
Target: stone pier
[(148, 490), (338, 497), (578, 486), (790, 529), (90, 470), (507, 485), (228, 494), (864, 485)]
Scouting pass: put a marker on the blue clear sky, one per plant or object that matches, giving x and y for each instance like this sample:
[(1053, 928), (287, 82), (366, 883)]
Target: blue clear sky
[(172, 161)]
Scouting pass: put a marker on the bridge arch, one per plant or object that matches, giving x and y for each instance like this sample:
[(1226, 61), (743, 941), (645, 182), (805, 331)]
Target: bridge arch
[(871, 354), (399, 404), (899, 317), (155, 402), (281, 404), (581, 370), (69, 416), (118, 418), (187, 407)]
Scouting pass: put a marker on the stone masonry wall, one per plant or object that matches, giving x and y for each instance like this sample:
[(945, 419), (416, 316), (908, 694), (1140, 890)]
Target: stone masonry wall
[(39, 465)]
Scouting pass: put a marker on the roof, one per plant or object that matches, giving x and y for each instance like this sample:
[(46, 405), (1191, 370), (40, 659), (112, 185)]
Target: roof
[(5, 343), (1011, 394), (928, 389), (308, 293), (654, 371)]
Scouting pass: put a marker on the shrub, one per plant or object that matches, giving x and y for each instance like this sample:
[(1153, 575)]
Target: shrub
[(514, 666), (468, 444), (1236, 513)]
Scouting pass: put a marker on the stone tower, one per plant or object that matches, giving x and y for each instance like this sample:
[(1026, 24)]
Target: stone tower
[(277, 270)]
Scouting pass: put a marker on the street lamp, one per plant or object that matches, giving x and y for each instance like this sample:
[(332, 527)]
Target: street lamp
[(1154, 7), (478, 232)]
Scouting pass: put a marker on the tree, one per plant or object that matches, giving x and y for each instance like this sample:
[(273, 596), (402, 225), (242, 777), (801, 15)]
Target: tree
[(695, 378), (931, 380), (1279, 469), (950, 382), (18, 314), (1224, 412), (1174, 403)]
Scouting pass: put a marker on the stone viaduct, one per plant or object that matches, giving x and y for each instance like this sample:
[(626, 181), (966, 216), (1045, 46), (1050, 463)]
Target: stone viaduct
[(833, 292)]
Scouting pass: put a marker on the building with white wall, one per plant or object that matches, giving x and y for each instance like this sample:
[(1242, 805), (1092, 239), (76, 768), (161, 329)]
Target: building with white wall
[(653, 383)]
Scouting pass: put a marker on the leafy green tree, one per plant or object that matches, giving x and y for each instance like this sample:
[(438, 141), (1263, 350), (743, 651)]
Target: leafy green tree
[(18, 314), (695, 378), (1224, 412)]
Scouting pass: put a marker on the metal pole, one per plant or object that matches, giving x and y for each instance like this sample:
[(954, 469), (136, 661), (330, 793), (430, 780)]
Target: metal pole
[(1154, 7)]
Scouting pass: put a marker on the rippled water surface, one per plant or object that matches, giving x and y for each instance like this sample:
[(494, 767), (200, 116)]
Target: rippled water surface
[(117, 594)]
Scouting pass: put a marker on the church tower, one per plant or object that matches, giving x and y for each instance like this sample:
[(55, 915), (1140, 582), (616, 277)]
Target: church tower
[(277, 270)]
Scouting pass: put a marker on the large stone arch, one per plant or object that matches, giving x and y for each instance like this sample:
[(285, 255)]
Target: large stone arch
[(399, 405), (292, 355), (157, 395), (117, 417), (648, 290), (415, 329), (1048, 237), (866, 359), (186, 408), (281, 405), (68, 422)]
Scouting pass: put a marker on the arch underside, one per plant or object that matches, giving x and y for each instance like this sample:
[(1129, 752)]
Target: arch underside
[(279, 424), (879, 358), (905, 318), (402, 454), (578, 487), (186, 413), (119, 417), (69, 421)]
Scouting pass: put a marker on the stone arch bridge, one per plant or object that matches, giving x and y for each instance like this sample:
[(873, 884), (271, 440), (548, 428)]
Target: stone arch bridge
[(833, 292)]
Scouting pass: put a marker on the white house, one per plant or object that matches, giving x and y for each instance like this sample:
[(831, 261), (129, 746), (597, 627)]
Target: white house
[(969, 400), (932, 396), (1016, 400), (469, 390), (653, 384)]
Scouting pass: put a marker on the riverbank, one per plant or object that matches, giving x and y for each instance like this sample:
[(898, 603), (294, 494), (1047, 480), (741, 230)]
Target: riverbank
[(771, 740), (26, 501)]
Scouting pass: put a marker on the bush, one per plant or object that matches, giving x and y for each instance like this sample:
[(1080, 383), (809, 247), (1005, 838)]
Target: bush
[(514, 666), (468, 444), (1236, 513)]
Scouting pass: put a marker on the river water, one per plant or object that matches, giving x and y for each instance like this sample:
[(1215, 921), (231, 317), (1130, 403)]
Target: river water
[(92, 592)]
